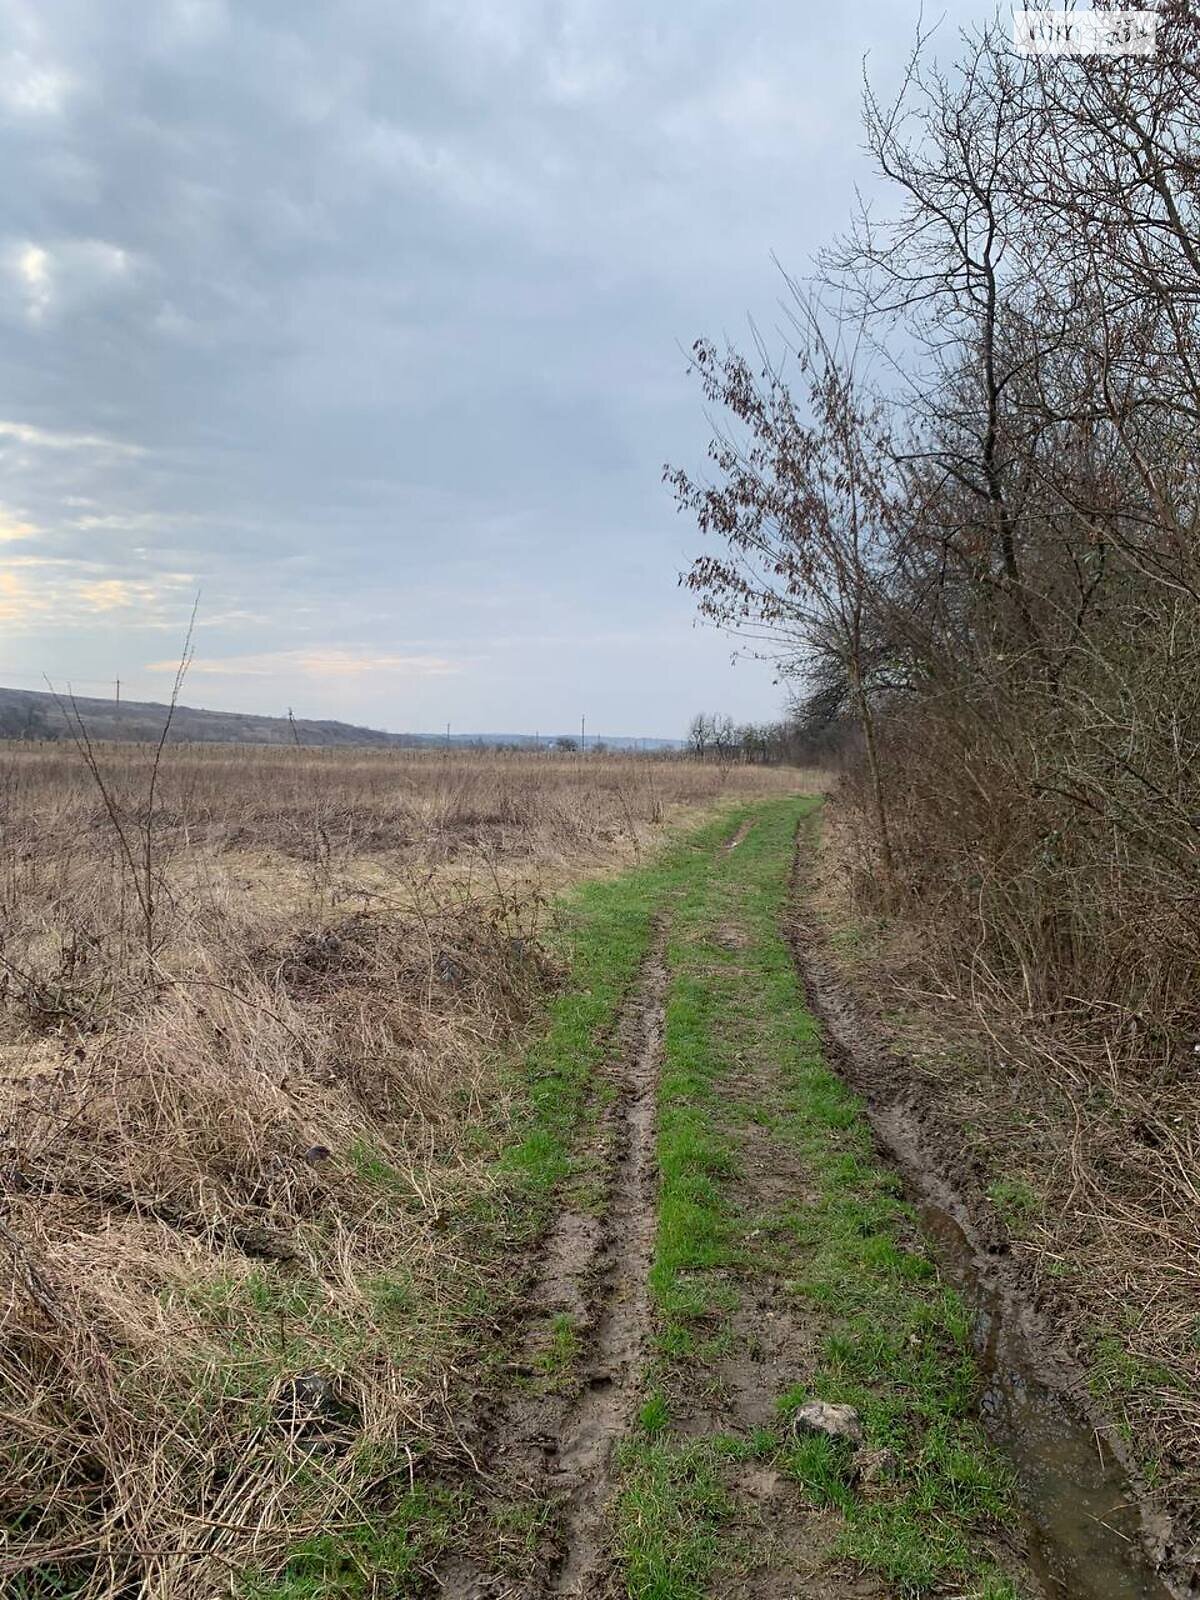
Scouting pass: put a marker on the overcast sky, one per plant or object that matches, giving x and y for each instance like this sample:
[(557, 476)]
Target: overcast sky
[(367, 320)]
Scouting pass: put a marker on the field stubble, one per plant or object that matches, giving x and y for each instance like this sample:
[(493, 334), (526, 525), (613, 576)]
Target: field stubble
[(254, 1222)]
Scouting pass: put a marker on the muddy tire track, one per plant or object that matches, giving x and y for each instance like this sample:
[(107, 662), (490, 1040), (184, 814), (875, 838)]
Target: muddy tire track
[(735, 838), (558, 1446), (604, 1410)]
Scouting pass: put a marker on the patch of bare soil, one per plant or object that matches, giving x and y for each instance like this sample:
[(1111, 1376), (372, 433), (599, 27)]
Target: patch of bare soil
[(735, 839), (769, 1341), (787, 1544), (552, 1441), (783, 1538), (1035, 1383)]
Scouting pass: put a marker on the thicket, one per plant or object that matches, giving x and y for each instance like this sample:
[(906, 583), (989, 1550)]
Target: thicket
[(965, 505)]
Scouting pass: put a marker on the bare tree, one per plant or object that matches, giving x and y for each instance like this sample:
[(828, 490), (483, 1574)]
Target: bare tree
[(804, 513)]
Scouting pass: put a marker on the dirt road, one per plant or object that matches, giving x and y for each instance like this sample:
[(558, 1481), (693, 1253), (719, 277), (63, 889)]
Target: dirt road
[(740, 1372)]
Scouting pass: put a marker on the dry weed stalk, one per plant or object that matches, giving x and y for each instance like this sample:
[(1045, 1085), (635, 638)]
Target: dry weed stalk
[(144, 875)]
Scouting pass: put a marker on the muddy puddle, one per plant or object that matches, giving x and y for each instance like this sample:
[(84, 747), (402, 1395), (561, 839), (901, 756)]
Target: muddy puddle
[(1083, 1524), (1086, 1533)]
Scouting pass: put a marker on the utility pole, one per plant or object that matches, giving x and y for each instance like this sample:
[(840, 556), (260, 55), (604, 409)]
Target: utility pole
[(447, 738), (582, 734), (118, 699)]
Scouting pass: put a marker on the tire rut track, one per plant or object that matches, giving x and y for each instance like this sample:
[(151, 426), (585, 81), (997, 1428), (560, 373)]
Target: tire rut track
[(595, 1269), (605, 1408)]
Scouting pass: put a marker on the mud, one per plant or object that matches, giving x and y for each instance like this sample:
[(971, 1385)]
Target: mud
[(1090, 1534), (556, 1446), (1083, 1528), (573, 1246), (605, 1409), (738, 835)]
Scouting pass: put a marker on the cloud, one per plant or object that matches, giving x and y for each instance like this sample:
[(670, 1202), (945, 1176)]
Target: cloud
[(31, 267), (318, 663), (369, 320), (35, 590), (16, 598), (119, 594), (68, 275), (48, 439), (13, 527), (32, 88)]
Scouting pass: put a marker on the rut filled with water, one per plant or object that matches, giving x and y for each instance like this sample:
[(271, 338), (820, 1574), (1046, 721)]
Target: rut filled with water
[(1083, 1523), (1088, 1535)]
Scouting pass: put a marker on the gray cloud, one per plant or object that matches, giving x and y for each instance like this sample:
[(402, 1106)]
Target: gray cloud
[(366, 319)]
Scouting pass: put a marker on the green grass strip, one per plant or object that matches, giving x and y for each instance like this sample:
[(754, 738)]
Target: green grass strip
[(895, 1341), (606, 929)]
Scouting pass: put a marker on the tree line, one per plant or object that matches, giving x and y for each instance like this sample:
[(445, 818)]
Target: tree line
[(961, 501), (797, 739)]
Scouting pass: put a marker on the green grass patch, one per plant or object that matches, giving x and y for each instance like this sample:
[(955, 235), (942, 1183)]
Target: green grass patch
[(1016, 1201), (1115, 1372), (562, 1347), (386, 1556), (671, 1509), (655, 1415)]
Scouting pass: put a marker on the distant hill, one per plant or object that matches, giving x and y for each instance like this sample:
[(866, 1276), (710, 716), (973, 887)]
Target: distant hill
[(36, 714), (31, 713)]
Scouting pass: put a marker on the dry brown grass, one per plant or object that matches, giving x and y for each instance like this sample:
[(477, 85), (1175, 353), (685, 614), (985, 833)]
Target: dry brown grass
[(1090, 1158), (434, 804), (247, 1244)]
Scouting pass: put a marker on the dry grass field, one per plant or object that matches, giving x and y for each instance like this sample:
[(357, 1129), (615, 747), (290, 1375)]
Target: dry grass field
[(252, 1094)]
